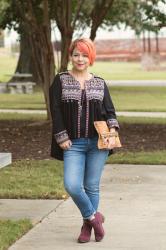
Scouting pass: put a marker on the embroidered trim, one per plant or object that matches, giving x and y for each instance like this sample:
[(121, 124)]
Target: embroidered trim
[(71, 88), (112, 123), (79, 117), (95, 89), (87, 118), (61, 136)]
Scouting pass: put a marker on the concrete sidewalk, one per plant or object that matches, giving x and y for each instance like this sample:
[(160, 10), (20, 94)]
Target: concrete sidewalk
[(138, 83), (35, 210), (133, 202), (119, 113)]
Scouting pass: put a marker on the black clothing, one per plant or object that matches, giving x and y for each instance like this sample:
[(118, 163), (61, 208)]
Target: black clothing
[(83, 113), (69, 121)]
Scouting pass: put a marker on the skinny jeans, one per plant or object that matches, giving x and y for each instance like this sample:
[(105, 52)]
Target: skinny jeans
[(83, 166)]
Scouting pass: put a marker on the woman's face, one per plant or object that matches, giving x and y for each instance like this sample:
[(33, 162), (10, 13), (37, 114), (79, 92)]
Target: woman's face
[(80, 60)]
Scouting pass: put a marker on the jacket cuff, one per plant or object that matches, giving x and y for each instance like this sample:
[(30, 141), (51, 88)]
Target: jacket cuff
[(112, 123), (61, 136)]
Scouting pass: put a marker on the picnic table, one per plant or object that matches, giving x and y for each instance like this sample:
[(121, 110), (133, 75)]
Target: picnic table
[(19, 87)]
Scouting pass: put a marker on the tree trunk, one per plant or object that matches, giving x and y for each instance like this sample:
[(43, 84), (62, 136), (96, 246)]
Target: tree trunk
[(157, 43), (43, 58), (98, 14), (39, 34), (25, 62), (149, 43), (93, 33), (65, 43), (144, 42)]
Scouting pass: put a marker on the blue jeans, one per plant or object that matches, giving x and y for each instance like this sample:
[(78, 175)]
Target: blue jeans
[(83, 165)]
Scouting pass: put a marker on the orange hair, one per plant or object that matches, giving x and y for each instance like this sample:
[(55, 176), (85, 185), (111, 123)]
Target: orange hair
[(84, 45)]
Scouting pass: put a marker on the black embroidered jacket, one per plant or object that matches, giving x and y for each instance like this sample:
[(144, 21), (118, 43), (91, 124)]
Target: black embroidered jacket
[(65, 106)]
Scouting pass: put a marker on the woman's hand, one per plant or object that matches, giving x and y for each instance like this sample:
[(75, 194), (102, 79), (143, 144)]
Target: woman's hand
[(112, 140), (66, 144)]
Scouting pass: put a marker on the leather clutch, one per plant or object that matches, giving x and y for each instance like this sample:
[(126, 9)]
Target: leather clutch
[(104, 133)]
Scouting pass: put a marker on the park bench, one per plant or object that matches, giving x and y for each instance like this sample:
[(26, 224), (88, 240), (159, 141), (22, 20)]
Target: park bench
[(3, 87), (18, 86)]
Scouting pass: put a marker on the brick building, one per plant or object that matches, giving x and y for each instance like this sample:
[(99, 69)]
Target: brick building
[(127, 49)]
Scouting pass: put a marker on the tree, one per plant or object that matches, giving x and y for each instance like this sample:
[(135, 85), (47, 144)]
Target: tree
[(38, 28), (66, 15), (98, 14), (151, 19), (32, 18), (73, 15), (147, 17), (9, 19)]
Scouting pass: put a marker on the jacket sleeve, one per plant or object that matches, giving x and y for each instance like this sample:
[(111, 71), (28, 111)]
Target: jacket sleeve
[(59, 131), (109, 110)]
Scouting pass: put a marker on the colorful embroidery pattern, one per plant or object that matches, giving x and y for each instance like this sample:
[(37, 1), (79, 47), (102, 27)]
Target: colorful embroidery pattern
[(71, 89), (61, 136), (112, 123)]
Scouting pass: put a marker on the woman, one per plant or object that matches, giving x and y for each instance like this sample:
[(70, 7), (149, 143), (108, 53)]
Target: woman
[(77, 99)]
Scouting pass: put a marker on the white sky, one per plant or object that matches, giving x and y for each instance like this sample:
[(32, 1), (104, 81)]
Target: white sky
[(12, 36)]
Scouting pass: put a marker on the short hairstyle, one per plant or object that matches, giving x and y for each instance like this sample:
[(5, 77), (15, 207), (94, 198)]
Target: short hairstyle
[(84, 45)]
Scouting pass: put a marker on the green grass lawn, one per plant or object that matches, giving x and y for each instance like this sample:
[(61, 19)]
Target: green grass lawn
[(107, 70), (10, 231), (124, 98), (139, 98), (152, 158), (32, 179), (141, 120), (126, 71), (17, 116), (22, 101)]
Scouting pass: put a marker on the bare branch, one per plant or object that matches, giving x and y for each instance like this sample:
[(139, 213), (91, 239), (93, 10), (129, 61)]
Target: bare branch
[(97, 15)]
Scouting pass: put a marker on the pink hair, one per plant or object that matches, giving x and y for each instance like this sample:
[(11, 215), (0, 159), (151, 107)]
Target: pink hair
[(84, 45)]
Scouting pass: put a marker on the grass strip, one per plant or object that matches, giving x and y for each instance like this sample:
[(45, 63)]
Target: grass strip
[(126, 71), (151, 158), (124, 98), (35, 179), (10, 231), (106, 69), (141, 120), (17, 116), (22, 101), (148, 99), (121, 119)]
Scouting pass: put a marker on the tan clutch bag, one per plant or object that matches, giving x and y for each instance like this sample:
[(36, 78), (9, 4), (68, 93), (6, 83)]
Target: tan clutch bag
[(104, 133)]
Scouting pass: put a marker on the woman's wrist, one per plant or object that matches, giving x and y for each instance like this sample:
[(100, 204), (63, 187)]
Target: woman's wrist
[(112, 130)]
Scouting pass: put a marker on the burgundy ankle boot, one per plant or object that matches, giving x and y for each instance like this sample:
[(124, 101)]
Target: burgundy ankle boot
[(96, 223), (85, 232)]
